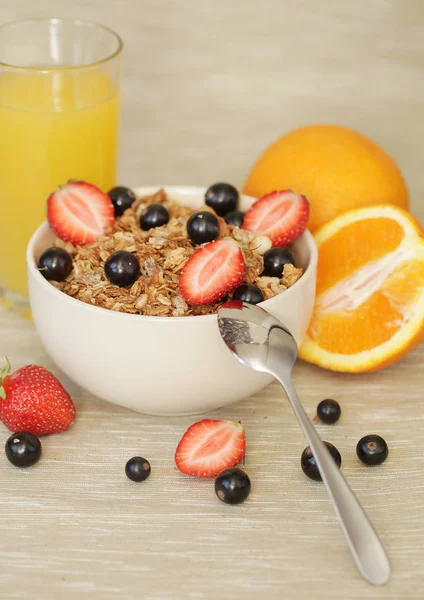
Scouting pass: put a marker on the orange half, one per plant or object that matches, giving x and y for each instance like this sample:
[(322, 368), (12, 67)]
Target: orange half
[(369, 310)]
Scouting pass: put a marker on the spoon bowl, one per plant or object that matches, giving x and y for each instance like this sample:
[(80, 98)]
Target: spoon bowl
[(255, 337)]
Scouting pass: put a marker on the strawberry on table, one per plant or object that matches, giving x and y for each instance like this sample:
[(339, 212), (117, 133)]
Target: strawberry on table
[(79, 212), (212, 272), (34, 401), (282, 216), (209, 447)]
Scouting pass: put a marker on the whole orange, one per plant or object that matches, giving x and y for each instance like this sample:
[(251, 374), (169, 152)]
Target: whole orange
[(336, 168)]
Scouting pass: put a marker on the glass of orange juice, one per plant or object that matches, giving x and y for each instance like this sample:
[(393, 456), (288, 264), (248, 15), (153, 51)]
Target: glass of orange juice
[(59, 110)]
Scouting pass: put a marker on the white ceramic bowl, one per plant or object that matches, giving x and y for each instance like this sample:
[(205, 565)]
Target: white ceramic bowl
[(157, 365)]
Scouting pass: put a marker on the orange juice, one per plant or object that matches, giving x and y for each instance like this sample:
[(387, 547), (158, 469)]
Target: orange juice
[(54, 127)]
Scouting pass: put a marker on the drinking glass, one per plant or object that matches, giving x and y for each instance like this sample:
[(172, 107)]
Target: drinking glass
[(59, 112)]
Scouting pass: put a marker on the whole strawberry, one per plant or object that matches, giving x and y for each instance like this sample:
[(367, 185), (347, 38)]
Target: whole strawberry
[(33, 400)]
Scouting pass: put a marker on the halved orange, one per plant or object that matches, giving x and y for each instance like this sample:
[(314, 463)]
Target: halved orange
[(369, 310)]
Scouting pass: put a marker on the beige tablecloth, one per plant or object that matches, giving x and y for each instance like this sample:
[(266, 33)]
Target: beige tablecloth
[(206, 87)]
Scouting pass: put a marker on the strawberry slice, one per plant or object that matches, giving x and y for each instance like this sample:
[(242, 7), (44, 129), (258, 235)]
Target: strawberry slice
[(210, 446), (79, 212), (212, 271), (282, 216)]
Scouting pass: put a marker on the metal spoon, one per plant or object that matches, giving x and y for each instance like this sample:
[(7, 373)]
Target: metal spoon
[(260, 341)]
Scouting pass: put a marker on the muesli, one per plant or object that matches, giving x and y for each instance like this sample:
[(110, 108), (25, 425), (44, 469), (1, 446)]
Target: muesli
[(161, 252)]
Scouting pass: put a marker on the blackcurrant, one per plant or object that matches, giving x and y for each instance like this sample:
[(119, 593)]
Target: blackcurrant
[(155, 215), (222, 197), (122, 268), (235, 217), (249, 293), (55, 264), (309, 465), (372, 449), (202, 227), (232, 486), (137, 469), (23, 449), (122, 198), (274, 261), (329, 411)]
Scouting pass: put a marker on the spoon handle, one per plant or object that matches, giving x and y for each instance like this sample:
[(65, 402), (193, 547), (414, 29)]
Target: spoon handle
[(364, 544)]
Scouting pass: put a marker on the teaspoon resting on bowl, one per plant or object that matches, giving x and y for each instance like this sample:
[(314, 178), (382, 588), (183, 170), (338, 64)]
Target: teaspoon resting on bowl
[(260, 341)]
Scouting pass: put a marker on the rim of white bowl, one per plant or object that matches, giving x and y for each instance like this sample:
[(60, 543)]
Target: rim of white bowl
[(171, 189)]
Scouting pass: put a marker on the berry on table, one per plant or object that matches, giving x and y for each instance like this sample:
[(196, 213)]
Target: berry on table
[(34, 401), (232, 486), (137, 468), (79, 212), (155, 215), (309, 465), (372, 449), (122, 198), (122, 268), (210, 446), (235, 217), (247, 292), (202, 227), (222, 197), (274, 261), (23, 449), (329, 411), (55, 264)]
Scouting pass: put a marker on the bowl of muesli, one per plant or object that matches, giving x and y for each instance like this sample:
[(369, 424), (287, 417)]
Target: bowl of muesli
[(125, 298)]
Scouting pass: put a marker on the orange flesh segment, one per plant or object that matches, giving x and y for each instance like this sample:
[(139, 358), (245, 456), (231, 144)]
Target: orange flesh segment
[(381, 312), (354, 246), (350, 332), (404, 285)]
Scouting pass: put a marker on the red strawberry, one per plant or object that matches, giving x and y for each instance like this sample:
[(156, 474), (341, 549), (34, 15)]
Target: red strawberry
[(33, 400), (212, 271), (209, 446), (282, 216), (79, 212)]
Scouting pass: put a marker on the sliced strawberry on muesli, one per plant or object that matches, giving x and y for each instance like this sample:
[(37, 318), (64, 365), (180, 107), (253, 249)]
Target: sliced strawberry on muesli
[(282, 216), (79, 212), (212, 272)]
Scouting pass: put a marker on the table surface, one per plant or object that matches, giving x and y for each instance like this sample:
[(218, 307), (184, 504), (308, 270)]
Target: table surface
[(206, 86)]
